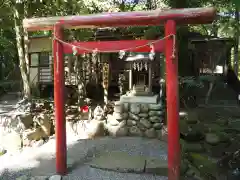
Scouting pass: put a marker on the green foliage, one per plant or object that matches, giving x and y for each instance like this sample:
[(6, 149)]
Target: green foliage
[(236, 3), (226, 26)]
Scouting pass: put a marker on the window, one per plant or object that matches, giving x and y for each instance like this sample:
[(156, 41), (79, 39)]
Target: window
[(44, 59), (41, 59), (34, 58)]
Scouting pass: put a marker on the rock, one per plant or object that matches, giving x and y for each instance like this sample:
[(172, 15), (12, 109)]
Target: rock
[(98, 118), (125, 115), (71, 128), (143, 115), (157, 126), (86, 129), (145, 123), (34, 134), (118, 108), (123, 131), (206, 165), (38, 143), (162, 134), (135, 131), (95, 129), (117, 116), (114, 130), (134, 117), (224, 137), (125, 107), (222, 121), (191, 173), (155, 107), (131, 122), (192, 118), (183, 167), (55, 177), (39, 178), (26, 119), (44, 122), (141, 127), (191, 133), (212, 138), (71, 117), (2, 151), (117, 103), (12, 141), (144, 108), (155, 113), (157, 167), (135, 108), (112, 121), (24, 177), (155, 119), (191, 147), (17, 122), (150, 133)]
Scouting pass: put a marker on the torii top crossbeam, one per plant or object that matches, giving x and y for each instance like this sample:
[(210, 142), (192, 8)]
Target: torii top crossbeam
[(123, 19)]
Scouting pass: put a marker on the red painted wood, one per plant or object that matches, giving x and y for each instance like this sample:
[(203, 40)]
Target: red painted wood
[(61, 150), (124, 19), (114, 46), (172, 104)]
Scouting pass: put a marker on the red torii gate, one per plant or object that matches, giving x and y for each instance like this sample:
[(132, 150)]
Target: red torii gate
[(169, 17)]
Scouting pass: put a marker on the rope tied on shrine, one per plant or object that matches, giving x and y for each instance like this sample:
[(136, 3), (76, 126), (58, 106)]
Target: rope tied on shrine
[(122, 51)]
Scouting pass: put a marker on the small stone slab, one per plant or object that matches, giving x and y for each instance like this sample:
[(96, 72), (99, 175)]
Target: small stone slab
[(139, 99), (40, 178), (156, 166), (55, 177), (120, 162), (24, 177)]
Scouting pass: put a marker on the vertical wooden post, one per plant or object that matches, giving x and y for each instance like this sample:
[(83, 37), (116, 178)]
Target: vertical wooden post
[(172, 102), (130, 77), (105, 81), (59, 87), (150, 77)]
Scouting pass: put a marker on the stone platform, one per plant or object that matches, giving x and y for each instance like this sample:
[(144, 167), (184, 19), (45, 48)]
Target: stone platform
[(139, 99), (137, 116)]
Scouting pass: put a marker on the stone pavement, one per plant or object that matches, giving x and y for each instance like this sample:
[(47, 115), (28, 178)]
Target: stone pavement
[(125, 163)]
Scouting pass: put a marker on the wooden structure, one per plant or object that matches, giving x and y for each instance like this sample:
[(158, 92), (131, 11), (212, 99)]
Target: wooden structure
[(140, 66), (211, 59), (170, 18), (40, 57)]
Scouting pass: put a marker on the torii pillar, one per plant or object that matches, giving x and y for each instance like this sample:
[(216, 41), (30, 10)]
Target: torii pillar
[(172, 101), (59, 102)]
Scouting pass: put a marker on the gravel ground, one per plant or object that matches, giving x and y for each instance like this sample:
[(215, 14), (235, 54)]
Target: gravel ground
[(40, 161)]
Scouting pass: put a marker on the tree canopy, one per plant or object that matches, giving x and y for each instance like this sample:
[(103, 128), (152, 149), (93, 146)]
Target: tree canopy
[(12, 13)]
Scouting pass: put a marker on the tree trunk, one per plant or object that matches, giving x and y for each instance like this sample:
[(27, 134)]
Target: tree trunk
[(236, 41), (26, 41), (22, 63)]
